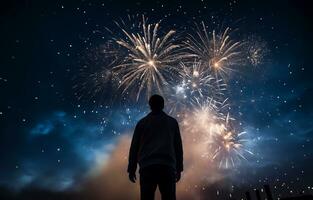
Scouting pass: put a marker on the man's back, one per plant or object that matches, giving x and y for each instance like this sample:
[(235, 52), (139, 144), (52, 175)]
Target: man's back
[(159, 141), (157, 147)]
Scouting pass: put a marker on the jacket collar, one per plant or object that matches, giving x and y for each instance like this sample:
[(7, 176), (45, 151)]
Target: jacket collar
[(156, 112)]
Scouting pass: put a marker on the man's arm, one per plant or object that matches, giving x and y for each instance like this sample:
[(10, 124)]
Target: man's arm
[(178, 150), (133, 151)]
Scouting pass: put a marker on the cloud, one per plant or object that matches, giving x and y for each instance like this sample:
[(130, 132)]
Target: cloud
[(44, 128), (94, 161), (75, 147)]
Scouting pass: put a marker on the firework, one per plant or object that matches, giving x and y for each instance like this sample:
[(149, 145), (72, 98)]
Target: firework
[(226, 146), (209, 127), (216, 50), (256, 50), (198, 83), (198, 119), (97, 86), (96, 79), (195, 83), (151, 60)]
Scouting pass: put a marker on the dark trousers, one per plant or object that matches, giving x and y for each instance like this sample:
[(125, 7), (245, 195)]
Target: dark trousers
[(157, 175)]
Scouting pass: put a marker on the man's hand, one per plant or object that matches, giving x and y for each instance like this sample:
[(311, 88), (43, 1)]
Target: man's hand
[(178, 175), (132, 177)]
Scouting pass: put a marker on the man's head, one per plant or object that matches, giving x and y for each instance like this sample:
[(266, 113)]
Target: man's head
[(156, 102)]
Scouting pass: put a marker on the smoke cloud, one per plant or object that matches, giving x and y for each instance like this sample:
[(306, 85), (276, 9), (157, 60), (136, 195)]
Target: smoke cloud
[(112, 179)]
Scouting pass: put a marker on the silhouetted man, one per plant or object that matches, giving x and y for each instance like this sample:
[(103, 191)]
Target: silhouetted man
[(157, 147)]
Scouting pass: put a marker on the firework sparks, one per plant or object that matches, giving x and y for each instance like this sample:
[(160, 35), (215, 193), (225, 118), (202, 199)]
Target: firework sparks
[(225, 144), (198, 83), (195, 83), (98, 85), (209, 127), (202, 115), (217, 51), (96, 79), (257, 50), (150, 62)]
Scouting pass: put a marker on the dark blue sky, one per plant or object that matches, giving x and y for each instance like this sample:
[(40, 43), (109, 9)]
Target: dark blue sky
[(50, 140)]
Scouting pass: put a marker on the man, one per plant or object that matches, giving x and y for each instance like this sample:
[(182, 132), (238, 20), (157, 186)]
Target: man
[(157, 147)]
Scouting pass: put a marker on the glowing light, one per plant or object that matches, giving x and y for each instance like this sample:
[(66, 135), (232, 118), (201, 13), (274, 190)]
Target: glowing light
[(195, 73), (151, 63)]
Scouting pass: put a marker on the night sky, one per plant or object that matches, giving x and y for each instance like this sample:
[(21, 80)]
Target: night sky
[(57, 145)]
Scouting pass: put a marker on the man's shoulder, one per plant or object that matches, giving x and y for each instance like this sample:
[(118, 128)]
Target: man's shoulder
[(142, 120), (172, 119), (149, 116)]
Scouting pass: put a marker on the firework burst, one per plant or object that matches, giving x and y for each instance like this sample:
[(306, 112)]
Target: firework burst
[(195, 83), (151, 60), (198, 83), (226, 146), (198, 119), (216, 50), (256, 50)]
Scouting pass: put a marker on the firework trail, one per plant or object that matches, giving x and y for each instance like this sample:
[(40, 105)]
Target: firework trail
[(216, 50), (151, 60)]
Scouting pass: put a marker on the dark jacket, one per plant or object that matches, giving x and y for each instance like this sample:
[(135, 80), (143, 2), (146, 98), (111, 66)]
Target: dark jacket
[(156, 140)]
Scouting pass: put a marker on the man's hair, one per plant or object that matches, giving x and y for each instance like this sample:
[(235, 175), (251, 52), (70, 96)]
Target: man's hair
[(156, 102)]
